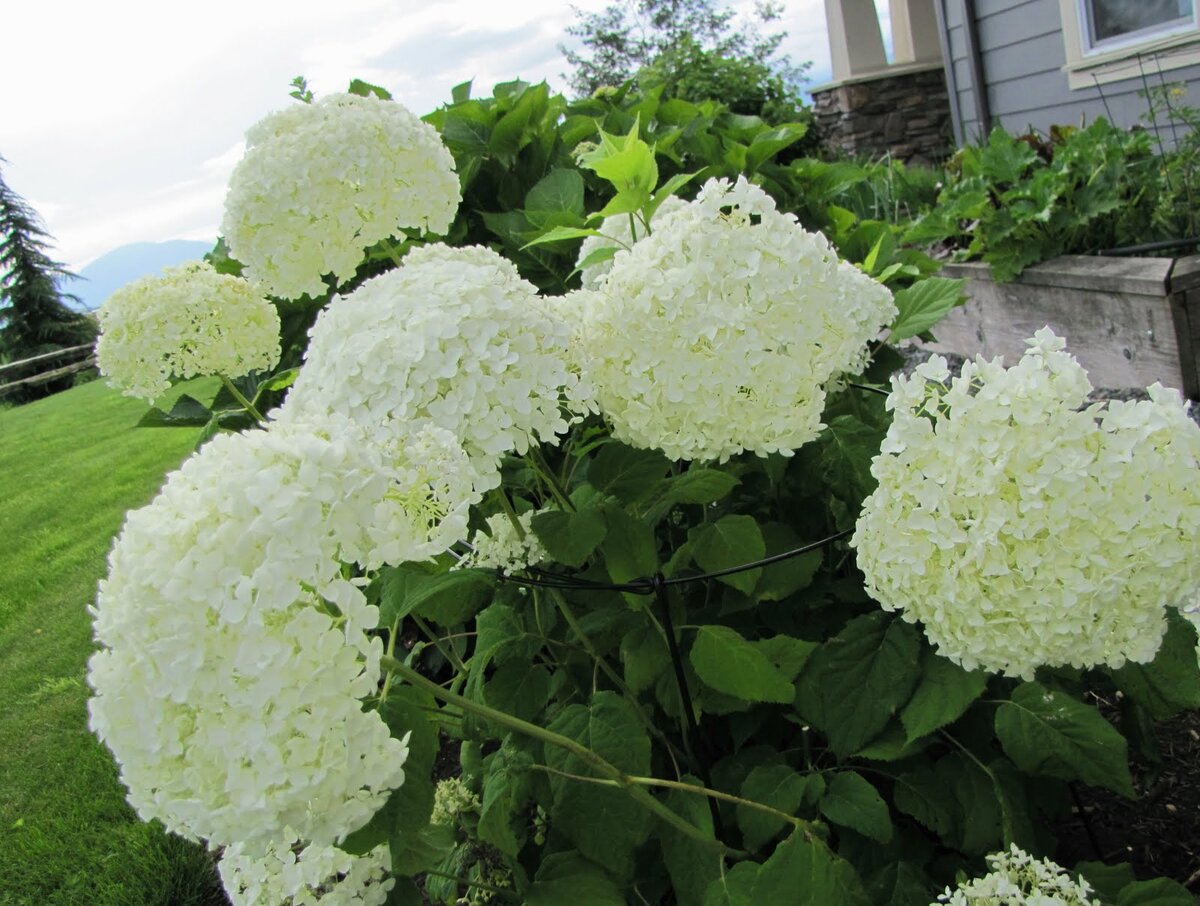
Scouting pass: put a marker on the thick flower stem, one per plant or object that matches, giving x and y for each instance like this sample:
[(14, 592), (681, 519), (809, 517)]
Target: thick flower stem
[(1006, 825), (569, 615), (507, 507), (238, 395), (582, 752), (695, 789)]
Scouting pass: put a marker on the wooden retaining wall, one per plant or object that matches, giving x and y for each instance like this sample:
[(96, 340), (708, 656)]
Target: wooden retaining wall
[(1129, 321)]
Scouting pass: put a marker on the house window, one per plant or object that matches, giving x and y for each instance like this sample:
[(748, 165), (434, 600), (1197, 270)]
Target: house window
[(1115, 40), (1111, 24)]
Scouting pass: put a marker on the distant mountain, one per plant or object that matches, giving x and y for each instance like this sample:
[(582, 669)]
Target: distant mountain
[(111, 271)]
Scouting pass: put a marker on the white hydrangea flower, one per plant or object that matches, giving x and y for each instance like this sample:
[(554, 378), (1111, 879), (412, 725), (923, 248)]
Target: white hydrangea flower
[(1022, 530), (323, 875), (719, 331), (322, 182), (626, 229), (235, 655), (502, 547), (1018, 879), (189, 321), (454, 338)]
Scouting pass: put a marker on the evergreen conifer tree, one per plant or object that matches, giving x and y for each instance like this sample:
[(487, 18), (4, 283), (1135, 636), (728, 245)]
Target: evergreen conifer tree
[(34, 315)]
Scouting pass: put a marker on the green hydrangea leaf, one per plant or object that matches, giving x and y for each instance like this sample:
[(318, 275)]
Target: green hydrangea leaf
[(875, 663), (691, 865), (559, 190), (570, 537), (728, 663), (1045, 731), (778, 786), (1171, 682), (803, 872), (730, 541), (1155, 892), (943, 693), (923, 304), (603, 823), (645, 657), (851, 801), (448, 597), (519, 689), (407, 810), (625, 472), (569, 878)]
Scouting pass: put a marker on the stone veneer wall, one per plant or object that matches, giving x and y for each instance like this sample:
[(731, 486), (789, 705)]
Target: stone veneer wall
[(906, 115)]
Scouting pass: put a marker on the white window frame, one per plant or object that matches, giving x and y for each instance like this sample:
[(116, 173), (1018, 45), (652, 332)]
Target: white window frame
[(1125, 58)]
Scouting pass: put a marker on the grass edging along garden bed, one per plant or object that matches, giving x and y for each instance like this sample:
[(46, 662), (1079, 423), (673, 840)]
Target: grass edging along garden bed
[(1129, 321)]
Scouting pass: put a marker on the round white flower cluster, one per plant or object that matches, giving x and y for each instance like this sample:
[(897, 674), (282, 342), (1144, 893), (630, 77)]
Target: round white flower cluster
[(322, 182), (718, 332), (315, 875), (502, 547), (455, 338), (1023, 530), (189, 321), (618, 231), (235, 655), (1018, 879)]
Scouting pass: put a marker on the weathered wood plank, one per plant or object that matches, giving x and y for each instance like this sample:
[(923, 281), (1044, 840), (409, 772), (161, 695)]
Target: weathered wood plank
[(1185, 274), (1185, 309), (1139, 276), (49, 375), (1123, 337), (45, 356)]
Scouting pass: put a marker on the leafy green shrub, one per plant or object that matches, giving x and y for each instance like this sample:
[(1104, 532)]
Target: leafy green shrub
[(1019, 200)]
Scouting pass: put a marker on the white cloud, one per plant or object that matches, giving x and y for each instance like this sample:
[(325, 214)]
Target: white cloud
[(122, 120)]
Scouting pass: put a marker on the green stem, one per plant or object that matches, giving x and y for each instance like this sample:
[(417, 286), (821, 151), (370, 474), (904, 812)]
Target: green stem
[(538, 461), (616, 679), (693, 788), (449, 654), (393, 252), (1006, 827), (580, 751), (237, 395), (390, 652), (498, 891), (507, 507)]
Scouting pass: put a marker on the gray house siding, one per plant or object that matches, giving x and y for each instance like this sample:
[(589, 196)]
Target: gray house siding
[(1021, 57)]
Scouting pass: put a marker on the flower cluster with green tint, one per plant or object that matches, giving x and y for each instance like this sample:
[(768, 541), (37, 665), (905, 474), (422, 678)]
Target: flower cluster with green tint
[(235, 653), (189, 321), (453, 338), (1018, 879), (719, 331), (1022, 527), (322, 182), (305, 876)]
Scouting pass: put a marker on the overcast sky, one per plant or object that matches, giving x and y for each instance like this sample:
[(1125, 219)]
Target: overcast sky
[(121, 121)]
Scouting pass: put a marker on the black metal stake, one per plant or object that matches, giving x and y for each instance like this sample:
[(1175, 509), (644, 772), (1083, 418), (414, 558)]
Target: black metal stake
[(700, 752)]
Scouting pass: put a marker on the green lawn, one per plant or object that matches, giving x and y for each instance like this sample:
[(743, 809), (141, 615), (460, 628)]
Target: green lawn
[(70, 466)]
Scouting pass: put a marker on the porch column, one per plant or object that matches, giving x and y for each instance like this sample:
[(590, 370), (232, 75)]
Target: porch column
[(855, 42), (915, 32)]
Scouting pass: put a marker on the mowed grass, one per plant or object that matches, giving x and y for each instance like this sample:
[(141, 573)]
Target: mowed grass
[(70, 467)]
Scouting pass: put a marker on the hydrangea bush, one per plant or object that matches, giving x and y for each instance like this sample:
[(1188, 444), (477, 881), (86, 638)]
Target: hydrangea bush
[(598, 544)]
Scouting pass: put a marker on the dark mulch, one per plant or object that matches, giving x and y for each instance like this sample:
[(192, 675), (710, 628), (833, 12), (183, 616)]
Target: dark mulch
[(1159, 832)]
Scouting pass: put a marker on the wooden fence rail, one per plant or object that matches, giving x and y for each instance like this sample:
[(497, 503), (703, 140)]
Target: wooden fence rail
[(45, 356), (88, 361)]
